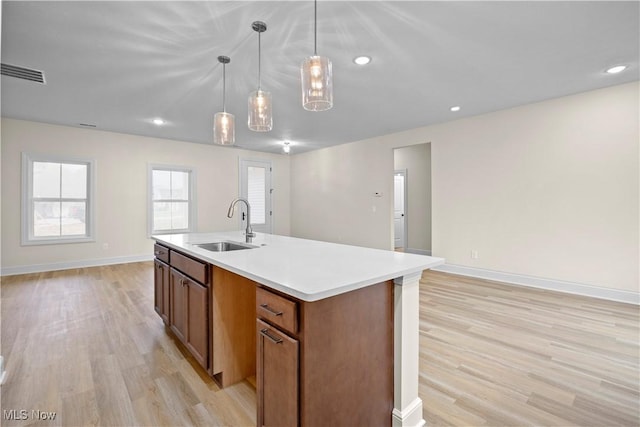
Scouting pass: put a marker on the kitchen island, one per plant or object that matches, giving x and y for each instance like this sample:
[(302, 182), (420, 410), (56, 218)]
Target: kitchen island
[(329, 330)]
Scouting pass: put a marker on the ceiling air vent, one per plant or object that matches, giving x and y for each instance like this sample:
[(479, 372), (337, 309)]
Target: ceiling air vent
[(22, 73)]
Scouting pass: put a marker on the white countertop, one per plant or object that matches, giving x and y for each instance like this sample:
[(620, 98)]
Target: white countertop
[(306, 269)]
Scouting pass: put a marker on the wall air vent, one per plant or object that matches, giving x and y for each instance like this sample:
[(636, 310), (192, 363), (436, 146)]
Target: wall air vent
[(22, 73)]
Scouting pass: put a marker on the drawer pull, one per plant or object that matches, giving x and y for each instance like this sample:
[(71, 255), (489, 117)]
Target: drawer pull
[(276, 340), (270, 310), (159, 253)]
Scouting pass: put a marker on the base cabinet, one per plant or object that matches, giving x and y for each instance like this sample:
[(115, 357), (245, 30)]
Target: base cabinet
[(322, 363), (161, 290), (277, 377), (181, 298), (328, 362), (189, 315)]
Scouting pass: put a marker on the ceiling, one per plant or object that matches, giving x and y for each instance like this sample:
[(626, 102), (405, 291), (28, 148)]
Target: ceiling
[(119, 64)]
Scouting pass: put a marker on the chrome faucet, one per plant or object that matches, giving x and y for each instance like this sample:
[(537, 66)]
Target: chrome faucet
[(249, 232)]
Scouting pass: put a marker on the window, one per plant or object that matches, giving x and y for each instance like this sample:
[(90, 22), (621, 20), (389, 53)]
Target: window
[(172, 206), (57, 200), (255, 186)]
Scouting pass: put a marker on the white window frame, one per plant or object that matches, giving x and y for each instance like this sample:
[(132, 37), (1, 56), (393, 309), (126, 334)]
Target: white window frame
[(27, 237), (192, 198), (243, 164)]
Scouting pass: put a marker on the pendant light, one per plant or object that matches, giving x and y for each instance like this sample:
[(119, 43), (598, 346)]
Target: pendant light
[(224, 123), (260, 118), (317, 80)]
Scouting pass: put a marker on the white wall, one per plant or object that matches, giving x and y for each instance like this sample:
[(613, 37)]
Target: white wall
[(416, 160), (549, 190), (121, 202)]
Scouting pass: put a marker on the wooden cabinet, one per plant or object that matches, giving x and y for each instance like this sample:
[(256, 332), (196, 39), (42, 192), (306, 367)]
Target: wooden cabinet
[(197, 338), (328, 362), (181, 298), (178, 318), (277, 377), (189, 315), (161, 290), (321, 363)]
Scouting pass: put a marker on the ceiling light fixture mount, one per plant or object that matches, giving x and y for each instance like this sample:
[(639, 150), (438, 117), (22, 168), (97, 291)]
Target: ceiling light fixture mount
[(317, 75), (260, 116), (158, 121), (616, 69), (362, 60), (286, 147), (455, 108), (224, 129)]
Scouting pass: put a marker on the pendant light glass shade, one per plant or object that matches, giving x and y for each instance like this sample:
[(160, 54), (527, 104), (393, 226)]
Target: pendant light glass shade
[(317, 83), (316, 75), (260, 117), (224, 124), (224, 129)]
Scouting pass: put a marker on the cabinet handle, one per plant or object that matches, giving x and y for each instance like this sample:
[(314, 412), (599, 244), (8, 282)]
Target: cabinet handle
[(183, 282), (266, 333), (270, 310), (159, 253)]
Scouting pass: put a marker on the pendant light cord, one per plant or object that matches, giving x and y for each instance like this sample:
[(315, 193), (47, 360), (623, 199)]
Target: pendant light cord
[(224, 87), (315, 27), (259, 59)]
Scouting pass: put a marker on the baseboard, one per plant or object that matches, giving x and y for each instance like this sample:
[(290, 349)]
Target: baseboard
[(3, 372), (549, 284), (39, 268), (418, 251)]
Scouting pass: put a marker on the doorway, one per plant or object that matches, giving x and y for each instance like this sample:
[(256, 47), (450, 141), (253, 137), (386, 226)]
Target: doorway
[(255, 187), (399, 210), (412, 182)]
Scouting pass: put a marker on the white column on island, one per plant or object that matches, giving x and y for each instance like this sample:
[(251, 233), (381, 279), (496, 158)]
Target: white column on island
[(407, 406)]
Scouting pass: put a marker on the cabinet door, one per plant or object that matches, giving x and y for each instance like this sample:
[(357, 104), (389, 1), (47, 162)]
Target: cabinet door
[(178, 312), (197, 337), (161, 289), (277, 376)]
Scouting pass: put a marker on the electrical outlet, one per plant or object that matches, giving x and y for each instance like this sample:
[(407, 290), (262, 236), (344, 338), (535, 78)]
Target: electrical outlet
[(474, 254)]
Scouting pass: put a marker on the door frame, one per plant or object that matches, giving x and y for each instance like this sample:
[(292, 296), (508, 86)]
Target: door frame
[(269, 183), (404, 173)]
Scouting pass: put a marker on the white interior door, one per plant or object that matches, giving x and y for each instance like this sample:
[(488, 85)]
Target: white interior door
[(255, 186), (399, 217)]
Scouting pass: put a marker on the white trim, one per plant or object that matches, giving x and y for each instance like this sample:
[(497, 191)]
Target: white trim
[(542, 283), (243, 163), (193, 206), (410, 416), (26, 224), (407, 405), (418, 251), (3, 372), (39, 268)]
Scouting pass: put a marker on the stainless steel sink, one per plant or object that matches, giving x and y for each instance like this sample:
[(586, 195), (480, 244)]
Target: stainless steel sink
[(224, 246)]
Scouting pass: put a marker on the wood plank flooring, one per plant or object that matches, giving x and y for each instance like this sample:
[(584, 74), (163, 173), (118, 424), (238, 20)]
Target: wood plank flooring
[(87, 345), (499, 355)]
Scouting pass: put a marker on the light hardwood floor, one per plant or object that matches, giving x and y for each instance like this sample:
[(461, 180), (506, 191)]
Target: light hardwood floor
[(87, 345)]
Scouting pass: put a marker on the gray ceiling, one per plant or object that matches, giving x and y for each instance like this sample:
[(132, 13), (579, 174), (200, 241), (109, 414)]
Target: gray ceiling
[(120, 64)]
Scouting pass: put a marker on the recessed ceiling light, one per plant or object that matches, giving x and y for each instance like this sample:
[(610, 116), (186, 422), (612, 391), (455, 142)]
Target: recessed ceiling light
[(455, 108), (362, 60), (158, 122), (617, 69)]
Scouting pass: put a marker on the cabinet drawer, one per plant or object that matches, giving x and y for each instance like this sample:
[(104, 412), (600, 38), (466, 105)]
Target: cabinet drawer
[(161, 252), (189, 266), (277, 310)]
